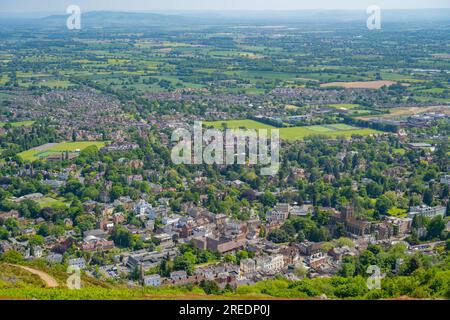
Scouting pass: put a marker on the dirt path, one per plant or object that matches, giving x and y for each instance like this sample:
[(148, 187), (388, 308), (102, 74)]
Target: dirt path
[(48, 279)]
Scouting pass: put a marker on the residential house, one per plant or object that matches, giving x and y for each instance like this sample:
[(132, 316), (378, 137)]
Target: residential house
[(446, 179), (178, 275), (270, 264), (153, 280), (248, 266), (303, 210), (54, 258), (77, 263), (316, 260)]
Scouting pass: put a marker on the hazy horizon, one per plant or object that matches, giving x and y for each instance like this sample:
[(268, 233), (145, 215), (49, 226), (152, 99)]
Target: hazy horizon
[(57, 6)]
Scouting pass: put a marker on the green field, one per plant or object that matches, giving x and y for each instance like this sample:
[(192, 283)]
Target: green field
[(18, 124), (236, 124), (44, 151), (397, 212), (50, 202), (347, 106), (331, 131)]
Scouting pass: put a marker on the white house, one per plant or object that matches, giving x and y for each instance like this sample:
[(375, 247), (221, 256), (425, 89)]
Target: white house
[(429, 212), (78, 263), (142, 208), (270, 264), (153, 280), (446, 179)]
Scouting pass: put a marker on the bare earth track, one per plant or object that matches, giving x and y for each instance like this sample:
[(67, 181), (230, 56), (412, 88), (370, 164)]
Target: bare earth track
[(48, 279)]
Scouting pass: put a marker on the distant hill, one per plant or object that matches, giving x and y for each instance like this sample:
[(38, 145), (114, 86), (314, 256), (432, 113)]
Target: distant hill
[(102, 19), (304, 18)]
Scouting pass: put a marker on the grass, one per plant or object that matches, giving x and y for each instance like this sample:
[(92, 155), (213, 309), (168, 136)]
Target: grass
[(298, 133), (291, 107), (347, 106), (42, 152), (399, 151), (236, 124), (48, 202), (397, 212), (18, 124)]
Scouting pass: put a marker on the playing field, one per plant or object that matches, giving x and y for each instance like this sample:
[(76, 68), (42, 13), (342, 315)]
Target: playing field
[(359, 84), (331, 131), (44, 151), (50, 202), (344, 106), (236, 124), (18, 124)]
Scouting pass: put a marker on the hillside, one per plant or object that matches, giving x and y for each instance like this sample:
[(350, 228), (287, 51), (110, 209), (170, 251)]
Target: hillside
[(102, 19)]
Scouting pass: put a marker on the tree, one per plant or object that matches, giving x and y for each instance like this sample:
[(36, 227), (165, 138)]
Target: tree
[(165, 267), (182, 263), (374, 190), (116, 192), (248, 194), (43, 230), (4, 234), (241, 255), (428, 197), (91, 193), (12, 256), (278, 236), (210, 287), (36, 240), (122, 237), (300, 272), (289, 229), (383, 205), (435, 228), (268, 199), (412, 265), (230, 258), (85, 222), (318, 234), (348, 268), (29, 209), (301, 236)]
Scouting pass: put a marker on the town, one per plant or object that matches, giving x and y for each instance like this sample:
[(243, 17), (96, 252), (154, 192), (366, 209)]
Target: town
[(88, 182)]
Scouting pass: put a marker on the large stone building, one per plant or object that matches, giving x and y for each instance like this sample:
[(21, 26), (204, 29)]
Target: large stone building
[(350, 222)]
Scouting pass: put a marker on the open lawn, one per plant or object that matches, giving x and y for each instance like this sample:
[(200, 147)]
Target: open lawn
[(18, 124), (51, 148), (397, 212), (50, 202)]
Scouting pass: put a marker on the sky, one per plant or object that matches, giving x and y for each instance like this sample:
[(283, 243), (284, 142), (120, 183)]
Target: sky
[(29, 6)]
